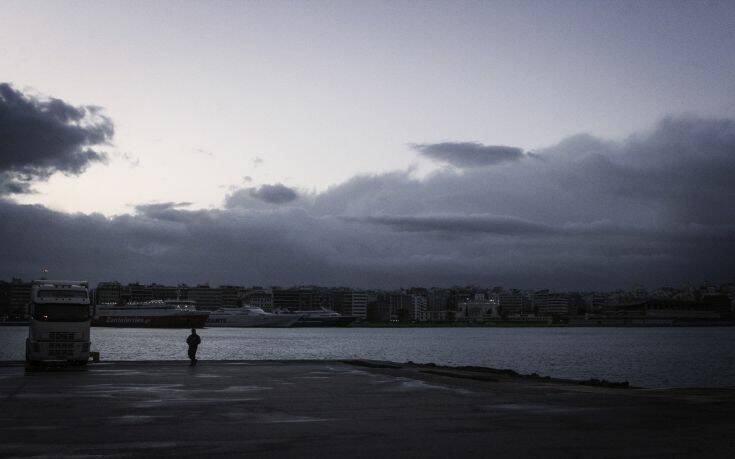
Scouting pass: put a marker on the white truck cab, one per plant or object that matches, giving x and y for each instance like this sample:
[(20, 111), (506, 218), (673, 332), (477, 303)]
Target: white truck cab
[(61, 313)]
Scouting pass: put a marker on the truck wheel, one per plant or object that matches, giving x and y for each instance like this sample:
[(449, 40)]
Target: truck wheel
[(80, 363)]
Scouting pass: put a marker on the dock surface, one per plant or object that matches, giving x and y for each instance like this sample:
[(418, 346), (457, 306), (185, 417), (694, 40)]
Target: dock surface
[(332, 408)]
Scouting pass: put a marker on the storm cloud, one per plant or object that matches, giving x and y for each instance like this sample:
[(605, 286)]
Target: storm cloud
[(39, 137), (268, 194), (655, 208), (274, 194), (458, 224), (468, 154)]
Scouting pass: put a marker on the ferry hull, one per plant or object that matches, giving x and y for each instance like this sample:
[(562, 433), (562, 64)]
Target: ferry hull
[(189, 321), (343, 321), (270, 321)]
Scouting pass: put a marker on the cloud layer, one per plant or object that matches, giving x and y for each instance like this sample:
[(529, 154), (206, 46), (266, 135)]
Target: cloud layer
[(274, 194), (468, 154), (39, 137), (586, 213), (262, 197)]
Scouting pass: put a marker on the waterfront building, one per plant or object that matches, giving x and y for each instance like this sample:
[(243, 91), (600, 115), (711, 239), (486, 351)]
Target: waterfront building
[(205, 297), (477, 310), (438, 316), (258, 297), (379, 308), (511, 303), (136, 292), (108, 292), (437, 302), (165, 292), (551, 304), (460, 295), (577, 304), (717, 302), (14, 298), (400, 306), (305, 298), (4, 300), (418, 311), (230, 295), (18, 297), (290, 299), (350, 302), (596, 302), (324, 298)]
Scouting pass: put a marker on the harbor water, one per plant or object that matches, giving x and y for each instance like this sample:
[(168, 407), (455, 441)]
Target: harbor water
[(647, 357)]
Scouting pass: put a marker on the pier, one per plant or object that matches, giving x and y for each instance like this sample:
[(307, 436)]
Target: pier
[(341, 408)]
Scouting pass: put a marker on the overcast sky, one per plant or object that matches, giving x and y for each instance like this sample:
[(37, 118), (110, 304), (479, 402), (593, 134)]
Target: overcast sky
[(529, 144)]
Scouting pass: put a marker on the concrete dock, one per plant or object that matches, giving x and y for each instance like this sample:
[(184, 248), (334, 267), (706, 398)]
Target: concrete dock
[(330, 409)]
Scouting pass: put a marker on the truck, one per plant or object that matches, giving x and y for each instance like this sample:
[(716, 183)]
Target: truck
[(60, 314)]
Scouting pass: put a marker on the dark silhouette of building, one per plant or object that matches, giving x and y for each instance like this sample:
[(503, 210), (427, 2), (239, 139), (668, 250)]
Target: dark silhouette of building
[(14, 298)]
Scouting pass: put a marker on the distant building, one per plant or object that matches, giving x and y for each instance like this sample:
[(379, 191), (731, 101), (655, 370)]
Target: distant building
[(477, 310), (418, 311), (437, 302), (460, 295), (304, 298), (4, 300), (230, 295), (438, 316), (379, 308), (551, 304), (116, 293), (108, 292), (138, 293), (596, 302), (717, 302), (511, 303), (290, 299), (205, 297), (14, 298), (166, 292), (19, 295), (400, 306), (258, 297), (351, 303)]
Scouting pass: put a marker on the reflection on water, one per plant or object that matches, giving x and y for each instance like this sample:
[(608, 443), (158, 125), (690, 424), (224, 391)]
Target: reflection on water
[(650, 357)]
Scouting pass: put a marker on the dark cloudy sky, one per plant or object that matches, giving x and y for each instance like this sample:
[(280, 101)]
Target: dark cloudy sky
[(529, 144)]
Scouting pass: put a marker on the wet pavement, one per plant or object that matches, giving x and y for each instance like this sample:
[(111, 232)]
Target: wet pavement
[(329, 409)]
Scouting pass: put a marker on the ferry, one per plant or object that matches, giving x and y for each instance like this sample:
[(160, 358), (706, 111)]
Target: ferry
[(150, 314), (323, 318), (248, 316)]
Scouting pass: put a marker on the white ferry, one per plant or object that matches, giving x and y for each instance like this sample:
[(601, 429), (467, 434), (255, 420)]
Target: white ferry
[(247, 316), (323, 318)]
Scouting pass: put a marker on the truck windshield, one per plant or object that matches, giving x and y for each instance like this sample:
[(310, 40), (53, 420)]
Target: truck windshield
[(47, 294), (61, 312)]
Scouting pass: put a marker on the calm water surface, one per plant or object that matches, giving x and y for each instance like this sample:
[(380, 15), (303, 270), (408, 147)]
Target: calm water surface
[(649, 357)]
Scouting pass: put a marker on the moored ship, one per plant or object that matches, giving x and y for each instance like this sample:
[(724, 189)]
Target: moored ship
[(249, 317), (150, 314), (323, 318)]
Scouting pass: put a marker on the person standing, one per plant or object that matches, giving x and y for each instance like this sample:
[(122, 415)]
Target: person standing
[(193, 341)]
